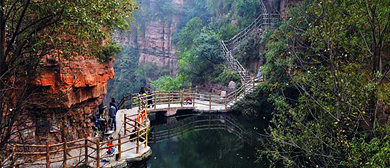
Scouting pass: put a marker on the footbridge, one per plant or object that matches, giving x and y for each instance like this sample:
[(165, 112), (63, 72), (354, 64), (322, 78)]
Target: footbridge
[(187, 99)]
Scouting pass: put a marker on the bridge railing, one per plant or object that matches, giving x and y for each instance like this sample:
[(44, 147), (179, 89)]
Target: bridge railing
[(85, 151), (187, 98)]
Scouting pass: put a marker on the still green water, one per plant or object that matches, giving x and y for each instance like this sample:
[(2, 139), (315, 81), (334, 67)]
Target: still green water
[(205, 141)]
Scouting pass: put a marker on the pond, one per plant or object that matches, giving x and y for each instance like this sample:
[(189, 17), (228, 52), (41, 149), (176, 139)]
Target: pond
[(207, 141)]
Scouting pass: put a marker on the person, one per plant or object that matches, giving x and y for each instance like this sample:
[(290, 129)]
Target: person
[(142, 91), (101, 110), (150, 97), (115, 104), (188, 101), (110, 144), (112, 114)]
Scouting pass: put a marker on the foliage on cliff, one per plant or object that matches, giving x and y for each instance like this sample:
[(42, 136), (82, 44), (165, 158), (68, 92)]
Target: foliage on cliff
[(200, 57), (32, 29), (327, 77)]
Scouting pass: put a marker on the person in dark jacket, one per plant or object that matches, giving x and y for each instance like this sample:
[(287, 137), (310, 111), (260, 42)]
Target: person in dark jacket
[(112, 114), (115, 104)]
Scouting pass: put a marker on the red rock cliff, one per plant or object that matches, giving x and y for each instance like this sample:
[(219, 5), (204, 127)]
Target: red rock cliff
[(77, 80), (68, 92)]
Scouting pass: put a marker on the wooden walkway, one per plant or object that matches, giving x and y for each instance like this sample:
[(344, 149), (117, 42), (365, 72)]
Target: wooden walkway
[(130, 142)]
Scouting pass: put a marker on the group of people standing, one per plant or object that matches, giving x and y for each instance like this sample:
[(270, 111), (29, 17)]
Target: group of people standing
[(148, 94), (105, 120)]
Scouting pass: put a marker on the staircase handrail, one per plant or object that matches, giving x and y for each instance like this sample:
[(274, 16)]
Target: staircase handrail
[(250, 28)]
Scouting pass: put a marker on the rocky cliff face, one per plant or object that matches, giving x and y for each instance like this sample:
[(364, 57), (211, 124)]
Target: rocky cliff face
[(77, 80), (155, 38), (68, 92)]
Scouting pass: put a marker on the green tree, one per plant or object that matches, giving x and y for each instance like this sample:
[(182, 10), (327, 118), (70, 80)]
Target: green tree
[(31, 29), (326, 82)]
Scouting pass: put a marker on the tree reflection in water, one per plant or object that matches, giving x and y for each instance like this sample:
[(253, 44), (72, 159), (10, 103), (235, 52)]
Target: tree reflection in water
[(207, 141)]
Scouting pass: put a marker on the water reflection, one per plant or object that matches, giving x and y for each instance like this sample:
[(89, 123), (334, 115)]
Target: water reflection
[(208, 141)]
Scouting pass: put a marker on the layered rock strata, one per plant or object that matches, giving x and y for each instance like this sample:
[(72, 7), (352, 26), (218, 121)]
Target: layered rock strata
[(68, 93)]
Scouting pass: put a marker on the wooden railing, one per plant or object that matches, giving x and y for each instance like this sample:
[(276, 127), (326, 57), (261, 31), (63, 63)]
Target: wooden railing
[(85, 151), (234, 63), (262, 22), (159, 100)]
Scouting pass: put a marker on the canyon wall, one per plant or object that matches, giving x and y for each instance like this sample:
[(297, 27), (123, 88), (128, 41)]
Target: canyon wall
[(154, 36)]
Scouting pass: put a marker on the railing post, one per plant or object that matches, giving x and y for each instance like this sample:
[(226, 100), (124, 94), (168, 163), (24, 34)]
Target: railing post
[(124, 124), (136, 128), (169, 100), (131, 101), (119, 147), (194, 95), (47, 155), (190, 94), (97, 153), (182, 98), (86, 150), (146, 138), (226, 102), (140, 99), (244, 90), (155, 100), (13, 157), (65, 153), (210, 102)]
